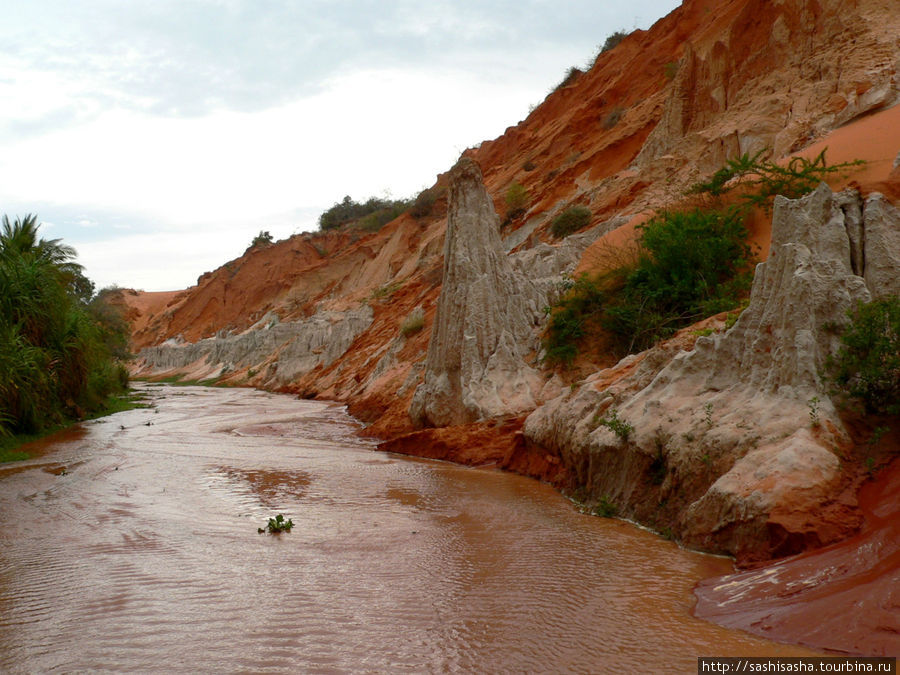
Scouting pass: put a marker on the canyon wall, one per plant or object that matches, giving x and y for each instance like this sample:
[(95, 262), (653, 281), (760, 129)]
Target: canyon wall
[(283, 351), (736, 443)]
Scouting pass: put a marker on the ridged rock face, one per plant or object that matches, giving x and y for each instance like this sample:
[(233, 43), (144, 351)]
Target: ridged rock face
[(286, 350), (484, 328), (722, 434), (721, 103), (881, 248)]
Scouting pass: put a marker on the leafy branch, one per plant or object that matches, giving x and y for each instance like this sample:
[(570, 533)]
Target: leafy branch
[(765, 178)]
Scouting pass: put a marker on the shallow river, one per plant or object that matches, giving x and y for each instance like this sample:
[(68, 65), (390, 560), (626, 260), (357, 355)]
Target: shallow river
[(131, 545)]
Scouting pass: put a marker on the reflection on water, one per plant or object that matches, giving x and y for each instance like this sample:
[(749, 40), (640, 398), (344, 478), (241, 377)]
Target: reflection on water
[(144, 556)]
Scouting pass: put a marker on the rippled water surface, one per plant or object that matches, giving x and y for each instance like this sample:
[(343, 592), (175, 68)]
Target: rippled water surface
[(132, 545)]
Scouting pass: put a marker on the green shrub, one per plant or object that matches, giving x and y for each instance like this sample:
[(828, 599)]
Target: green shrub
[(693, 264), (619, 427), (413, 323), (387, 291), (264, 238), (580, 305), (572, 74), (867, 365), (569, 221), (689, 265), (516, 199), (423, 204), (670, 70), (605, 508), (347, 211), (374, 221), (613, 40)]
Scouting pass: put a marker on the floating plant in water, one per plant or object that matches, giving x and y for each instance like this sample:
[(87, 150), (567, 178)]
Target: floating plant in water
[(276, 525)]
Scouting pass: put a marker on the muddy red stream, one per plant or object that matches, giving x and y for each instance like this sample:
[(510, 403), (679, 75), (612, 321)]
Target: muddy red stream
[(132, 546)]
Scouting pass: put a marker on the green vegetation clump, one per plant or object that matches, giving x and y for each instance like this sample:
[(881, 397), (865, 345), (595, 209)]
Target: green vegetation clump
[(613, 40), (694, 263), (618, 426), (424, 202), (59, 344), (516, 199), (387, 291), (277, 525), (689, 265), (571, 318), (605, 508), (414, 323), (670, 70), (762, 180), (867, 365), (572, 74), (569, 221), (264, 238), (370, 215)]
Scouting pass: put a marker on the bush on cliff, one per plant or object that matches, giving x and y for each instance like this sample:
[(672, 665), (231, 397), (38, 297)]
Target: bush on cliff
[(689, 265), (57, 345), (371, 214), (867, 365), (424, 202), (613, 40), (264, 238), (516, 198), (572, 318), (569, 221)]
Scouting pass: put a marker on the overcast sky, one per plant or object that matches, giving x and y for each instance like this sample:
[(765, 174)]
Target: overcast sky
[(159, 136)]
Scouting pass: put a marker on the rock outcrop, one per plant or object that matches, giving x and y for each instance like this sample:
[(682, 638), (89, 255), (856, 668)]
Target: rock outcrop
[(722, 445), (784, 46), (285, 350), (485, 326)]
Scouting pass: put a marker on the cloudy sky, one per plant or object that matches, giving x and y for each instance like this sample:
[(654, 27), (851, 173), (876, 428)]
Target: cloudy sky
[(159, 136)]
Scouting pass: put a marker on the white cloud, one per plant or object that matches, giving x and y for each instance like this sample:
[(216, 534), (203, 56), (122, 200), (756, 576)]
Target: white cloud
[(206, 122)]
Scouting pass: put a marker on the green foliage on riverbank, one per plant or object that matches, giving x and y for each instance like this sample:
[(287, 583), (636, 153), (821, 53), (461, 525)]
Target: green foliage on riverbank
[(867, 365), (60, 345)]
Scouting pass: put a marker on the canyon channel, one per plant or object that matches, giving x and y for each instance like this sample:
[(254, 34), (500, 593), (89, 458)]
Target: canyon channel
[(131, 544)]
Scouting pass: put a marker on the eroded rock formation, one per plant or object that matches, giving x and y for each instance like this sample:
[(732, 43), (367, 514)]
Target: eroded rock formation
[(286, 350), (484, 328), (722, 443)]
